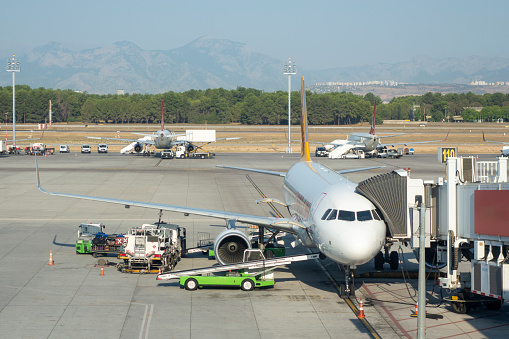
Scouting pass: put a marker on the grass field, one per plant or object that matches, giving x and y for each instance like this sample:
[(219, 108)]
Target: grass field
[(466, 136)]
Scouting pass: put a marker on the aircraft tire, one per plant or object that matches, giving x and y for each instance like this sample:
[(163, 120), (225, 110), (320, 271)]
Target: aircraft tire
[(191, 284), (379, 261), (394, 260)]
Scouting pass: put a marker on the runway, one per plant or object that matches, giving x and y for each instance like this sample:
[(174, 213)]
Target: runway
[(72, 300)]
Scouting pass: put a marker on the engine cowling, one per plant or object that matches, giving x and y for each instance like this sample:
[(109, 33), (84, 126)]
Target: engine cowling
[(190, 147), (138, 147), (229, 246)]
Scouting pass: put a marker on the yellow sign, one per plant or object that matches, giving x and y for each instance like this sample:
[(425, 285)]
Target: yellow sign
[(447, 152)]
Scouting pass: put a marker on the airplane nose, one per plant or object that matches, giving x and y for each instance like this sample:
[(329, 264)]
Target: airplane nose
[(354, 243)]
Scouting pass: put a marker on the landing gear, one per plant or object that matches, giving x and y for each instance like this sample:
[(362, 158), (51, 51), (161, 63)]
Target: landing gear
[(385, 257), (347, 289)]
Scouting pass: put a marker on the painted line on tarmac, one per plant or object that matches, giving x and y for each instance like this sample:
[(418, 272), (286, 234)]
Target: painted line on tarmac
[(149, 310)]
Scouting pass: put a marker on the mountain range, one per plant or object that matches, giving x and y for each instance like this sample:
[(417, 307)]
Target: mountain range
[(212, 63)]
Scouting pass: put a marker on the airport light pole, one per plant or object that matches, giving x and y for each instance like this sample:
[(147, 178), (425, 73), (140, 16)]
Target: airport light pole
[(13, 66), (289, 69)]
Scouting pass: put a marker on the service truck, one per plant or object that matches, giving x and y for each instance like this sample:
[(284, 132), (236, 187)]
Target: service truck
[(152, 247), (92, 240), (3, 147), (182, 153)]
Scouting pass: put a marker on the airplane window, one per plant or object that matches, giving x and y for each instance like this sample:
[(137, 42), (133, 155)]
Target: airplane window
[(346, 216), (364, 215), (375, 215), (332, 215), (326, 214)]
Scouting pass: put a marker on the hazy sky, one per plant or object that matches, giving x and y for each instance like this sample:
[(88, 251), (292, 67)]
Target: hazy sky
[(316, 34)]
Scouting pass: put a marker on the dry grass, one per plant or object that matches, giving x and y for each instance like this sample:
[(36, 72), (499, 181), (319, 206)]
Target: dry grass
[(467, 137)]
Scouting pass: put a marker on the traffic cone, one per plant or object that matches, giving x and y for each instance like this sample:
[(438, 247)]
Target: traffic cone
[(361, 310), (102, 271), (477, 157), (416, 308), (50, 262), (160, 271), (45, 155)]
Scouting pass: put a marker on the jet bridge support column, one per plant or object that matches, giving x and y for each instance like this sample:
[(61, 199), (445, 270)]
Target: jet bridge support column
[(451, 218)]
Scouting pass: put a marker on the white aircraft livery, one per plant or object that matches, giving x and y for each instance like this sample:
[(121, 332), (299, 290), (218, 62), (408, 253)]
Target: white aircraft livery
[(326, 213)]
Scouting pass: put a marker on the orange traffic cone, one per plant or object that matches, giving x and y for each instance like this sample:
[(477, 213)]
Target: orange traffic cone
[(160, 271), (477, 157), (361, 310), (45, 155), (102, 271), (50, 262), (416, 308)]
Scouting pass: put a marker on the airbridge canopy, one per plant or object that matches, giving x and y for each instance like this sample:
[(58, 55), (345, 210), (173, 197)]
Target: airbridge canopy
[(388, 192)]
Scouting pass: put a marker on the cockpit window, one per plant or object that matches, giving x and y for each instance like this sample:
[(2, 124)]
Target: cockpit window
[(346, 216), (326, 214), (332, 215), (364, 216), (376, 215)]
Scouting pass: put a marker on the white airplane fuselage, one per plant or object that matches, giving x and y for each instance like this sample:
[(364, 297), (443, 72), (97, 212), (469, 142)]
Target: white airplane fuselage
[(369, 141), (163, 139), (311, 190)]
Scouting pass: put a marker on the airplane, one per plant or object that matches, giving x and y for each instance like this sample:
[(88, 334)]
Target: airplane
[(505, 149), (368, 141), (162, 139), (326, 213)]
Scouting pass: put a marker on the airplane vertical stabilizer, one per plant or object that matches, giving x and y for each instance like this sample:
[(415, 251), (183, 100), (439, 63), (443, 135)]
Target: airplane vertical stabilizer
[(372, 130), (304, 152), (162, 116)]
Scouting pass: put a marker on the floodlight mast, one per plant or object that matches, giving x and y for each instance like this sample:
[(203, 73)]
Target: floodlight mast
[(289, 69), (13, 66)]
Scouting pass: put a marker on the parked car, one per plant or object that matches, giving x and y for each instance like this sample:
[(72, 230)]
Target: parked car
[(321, 152), (102, 148), (86, 149), (167, 154), (64, 149), (389, 153)]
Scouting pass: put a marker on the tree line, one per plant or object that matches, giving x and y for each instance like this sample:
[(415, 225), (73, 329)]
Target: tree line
[(244, 106)]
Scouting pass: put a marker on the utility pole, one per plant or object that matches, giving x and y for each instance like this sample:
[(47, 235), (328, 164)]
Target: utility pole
[(289, 69)]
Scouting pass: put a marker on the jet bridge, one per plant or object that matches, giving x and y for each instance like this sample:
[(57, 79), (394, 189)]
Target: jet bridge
[(466, 216)]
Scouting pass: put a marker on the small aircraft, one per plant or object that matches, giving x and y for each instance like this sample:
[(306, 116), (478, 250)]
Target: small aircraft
[(368, 141), (326, 213), (505, 149), (162, 139)]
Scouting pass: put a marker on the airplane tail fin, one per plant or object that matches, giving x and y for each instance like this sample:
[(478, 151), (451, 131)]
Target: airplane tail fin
[(483, 138), (162, 116), (304, 152), (372, 130)]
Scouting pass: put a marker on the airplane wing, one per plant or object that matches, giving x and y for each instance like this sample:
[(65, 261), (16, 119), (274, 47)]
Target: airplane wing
[(280, 174), (412, 142), (280, 224), (495, 142), (147, 142), (358, 169)]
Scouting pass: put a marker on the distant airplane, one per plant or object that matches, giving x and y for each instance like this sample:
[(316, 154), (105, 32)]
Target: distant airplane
[(326, 213), (505, 149), (162, 139), (368, 141)]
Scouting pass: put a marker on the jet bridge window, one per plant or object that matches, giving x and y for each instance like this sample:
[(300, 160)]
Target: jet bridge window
[(346, 216), (326, 214), (364, 215)]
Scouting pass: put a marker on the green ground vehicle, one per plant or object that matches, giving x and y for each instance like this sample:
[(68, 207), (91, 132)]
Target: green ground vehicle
[(92, 240), (246, 281), (86, 233), (254, 271)]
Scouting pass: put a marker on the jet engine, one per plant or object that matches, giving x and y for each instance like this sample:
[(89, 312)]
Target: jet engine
[(190, 147), (138, 147), (229, 246)]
